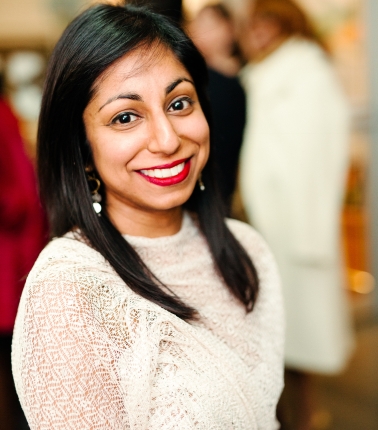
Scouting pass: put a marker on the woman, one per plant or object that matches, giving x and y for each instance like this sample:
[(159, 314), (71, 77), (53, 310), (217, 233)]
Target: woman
[(149, 313), (213, 34), (293, 167), (212, 30)]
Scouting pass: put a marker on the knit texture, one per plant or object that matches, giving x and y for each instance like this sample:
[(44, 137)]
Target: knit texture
[(88, 353)]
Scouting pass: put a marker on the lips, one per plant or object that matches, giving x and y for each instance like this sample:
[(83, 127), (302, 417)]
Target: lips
[(167, 174)]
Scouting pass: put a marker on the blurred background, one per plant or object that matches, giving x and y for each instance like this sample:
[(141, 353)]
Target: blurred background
[(346, 400)]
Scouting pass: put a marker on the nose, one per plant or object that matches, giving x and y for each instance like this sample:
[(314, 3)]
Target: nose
[(163, 136)]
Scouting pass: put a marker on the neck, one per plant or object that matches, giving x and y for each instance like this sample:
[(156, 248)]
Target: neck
[(152, 224), (228, 66), (273, 46)]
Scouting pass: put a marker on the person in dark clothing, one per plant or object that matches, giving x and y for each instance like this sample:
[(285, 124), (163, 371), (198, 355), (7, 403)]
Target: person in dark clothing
[(212, 32), (227, 99)]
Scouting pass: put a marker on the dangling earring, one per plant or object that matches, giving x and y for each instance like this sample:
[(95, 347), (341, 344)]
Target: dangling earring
[(200, 183), (96, 196)]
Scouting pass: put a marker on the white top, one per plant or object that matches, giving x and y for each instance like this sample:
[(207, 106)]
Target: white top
[(293, 169), (88, 353)]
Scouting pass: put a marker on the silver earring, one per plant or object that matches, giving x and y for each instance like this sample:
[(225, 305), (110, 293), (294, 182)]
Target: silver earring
[(200, 183), (96, 196)]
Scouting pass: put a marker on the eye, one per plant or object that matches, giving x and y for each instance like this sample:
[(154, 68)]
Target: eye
[(180, 104), (124, 118)]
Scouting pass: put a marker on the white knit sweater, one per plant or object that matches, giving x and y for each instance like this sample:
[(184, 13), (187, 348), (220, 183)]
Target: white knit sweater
[(88, 353)]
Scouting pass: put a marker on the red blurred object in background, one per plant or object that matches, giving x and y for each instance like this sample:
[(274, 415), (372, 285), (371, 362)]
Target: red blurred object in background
[(23, 230)]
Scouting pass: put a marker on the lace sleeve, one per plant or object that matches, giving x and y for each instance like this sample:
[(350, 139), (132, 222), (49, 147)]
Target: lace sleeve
[(84, 355)]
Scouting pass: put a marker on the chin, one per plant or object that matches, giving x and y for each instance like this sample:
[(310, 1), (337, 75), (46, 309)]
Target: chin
[(171, 202)]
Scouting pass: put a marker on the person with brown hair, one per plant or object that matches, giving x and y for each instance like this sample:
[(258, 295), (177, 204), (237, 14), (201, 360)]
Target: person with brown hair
[(293, 166)]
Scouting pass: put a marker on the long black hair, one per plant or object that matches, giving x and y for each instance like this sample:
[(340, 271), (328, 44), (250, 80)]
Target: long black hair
[(91, 43)]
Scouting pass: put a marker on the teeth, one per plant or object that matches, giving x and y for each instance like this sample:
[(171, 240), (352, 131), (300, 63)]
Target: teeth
[(149, 173), (180, 168), (164, 173)]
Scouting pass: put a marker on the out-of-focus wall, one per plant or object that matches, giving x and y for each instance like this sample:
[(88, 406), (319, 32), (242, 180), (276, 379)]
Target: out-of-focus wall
[(28, 31), (27, 24), (342, 23), (372, 20)]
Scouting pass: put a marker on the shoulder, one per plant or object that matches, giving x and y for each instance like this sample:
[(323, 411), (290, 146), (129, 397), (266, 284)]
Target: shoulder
[(295, 58), (301, 51), (68, 268), (254, 245), (67, 257), (308, 60), (260, 254), (72, 285), (72, 273), (69, 249), (268, 313), (248, 237)]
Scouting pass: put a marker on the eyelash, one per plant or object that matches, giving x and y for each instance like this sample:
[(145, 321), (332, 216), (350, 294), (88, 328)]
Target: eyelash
[(116, 118), (182, 99)]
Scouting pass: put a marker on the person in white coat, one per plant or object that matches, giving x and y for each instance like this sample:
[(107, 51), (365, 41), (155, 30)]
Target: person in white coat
[(293, 168)]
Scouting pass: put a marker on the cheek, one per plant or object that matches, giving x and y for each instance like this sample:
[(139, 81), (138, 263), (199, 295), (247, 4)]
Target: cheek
[(198, 130), (108, 147), (112, 151), (203, 132)]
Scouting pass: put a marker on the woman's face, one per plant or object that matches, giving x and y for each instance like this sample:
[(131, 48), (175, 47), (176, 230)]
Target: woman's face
[(212, 33), (259, 37), (148, 134)]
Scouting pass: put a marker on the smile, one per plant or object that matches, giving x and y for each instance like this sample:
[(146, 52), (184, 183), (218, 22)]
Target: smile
[(164, 173), (169, 174)]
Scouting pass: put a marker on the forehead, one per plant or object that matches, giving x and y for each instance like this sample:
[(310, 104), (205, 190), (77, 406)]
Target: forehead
[(139, 64)]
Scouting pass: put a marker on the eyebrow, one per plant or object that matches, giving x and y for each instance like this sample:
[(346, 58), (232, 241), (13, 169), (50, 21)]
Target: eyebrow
[(137, 97), (130, 96), (174, 84)]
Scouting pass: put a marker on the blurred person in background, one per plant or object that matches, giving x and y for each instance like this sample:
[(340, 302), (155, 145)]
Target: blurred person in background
[(22, 236), (212, 31), (293, 168)]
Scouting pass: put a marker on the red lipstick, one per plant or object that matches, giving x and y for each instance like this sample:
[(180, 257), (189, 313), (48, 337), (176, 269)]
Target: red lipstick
[(172, 180), (169, 165)]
